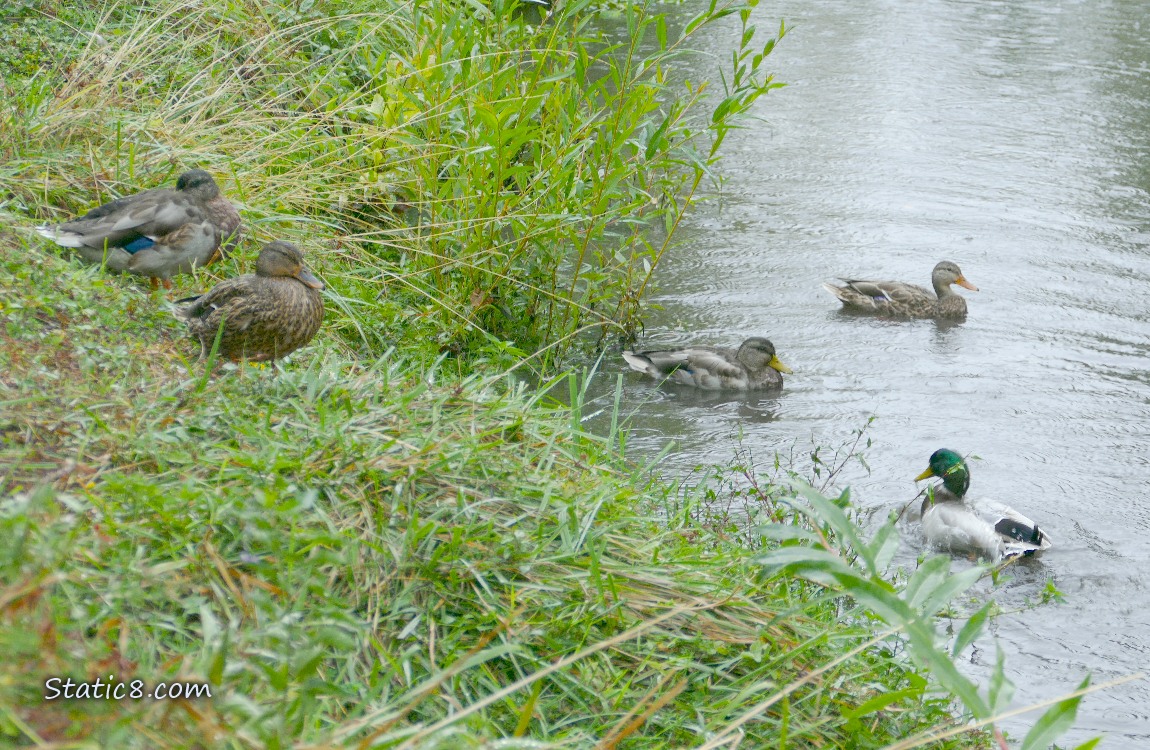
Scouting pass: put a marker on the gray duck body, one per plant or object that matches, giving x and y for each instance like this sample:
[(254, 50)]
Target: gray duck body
[(157, 233), (264, 316), (753, 366)]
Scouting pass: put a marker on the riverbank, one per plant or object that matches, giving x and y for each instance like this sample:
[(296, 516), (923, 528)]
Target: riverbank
[(353, 549), (384, 541)]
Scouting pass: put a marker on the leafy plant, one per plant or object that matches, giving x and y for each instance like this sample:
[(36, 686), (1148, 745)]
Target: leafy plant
[(823, 545)]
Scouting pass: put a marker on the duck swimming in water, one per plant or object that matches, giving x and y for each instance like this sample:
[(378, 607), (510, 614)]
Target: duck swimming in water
[(753, 366), (899, 299), (985, 528)]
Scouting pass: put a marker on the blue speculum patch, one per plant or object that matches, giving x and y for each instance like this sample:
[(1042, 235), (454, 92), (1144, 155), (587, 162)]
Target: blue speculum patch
[(139, 244)]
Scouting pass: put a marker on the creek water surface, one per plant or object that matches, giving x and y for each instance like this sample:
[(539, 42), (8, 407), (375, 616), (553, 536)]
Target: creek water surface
[(1014, 139)]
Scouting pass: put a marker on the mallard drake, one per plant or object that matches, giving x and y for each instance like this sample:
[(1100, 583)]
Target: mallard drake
[(156, 233), (986, 528), (753, 366), (899, 299), (263, 316)]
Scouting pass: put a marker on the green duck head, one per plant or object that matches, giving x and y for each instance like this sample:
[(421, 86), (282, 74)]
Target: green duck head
[(951, 469), (282, 259)]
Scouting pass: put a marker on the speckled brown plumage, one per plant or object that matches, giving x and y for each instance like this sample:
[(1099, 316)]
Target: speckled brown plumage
[(899, 299), (226, 219), (264, 316), (156, 233)]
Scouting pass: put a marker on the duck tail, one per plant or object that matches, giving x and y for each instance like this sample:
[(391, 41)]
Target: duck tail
[(63, 239), (837, 291), (1021, 537), (182, 309), (638, 362), (1023, 531)]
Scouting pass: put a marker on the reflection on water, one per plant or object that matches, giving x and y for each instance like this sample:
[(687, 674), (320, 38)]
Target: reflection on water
[(1012, 138)]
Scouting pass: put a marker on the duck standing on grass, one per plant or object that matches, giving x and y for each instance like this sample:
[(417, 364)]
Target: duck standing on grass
[(899, 299), (984, 528), (259, 317), (753, 366), (156, 233)]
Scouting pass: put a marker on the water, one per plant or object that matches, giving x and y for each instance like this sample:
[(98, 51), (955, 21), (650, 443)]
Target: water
[(1012, 138)]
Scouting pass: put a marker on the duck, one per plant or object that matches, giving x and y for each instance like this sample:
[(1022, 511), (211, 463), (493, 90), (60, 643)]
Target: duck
[(985, 528), (259, 317), (157, 233), (753, 366), (899, 299)]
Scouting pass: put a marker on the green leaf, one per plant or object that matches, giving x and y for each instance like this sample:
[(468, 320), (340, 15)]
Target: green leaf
[(1057, 719), (881, 701), (948, 588), (929, 575), (972, 629), (830, 514), (1001, 689), (781, 532), (1089, 744), (481, 10), (883, 546), (921, 636), (815, 564)]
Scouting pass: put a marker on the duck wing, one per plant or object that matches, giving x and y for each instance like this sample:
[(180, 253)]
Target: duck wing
[(223, 299), (889, 291), (1018, 532), (191, 246), (698, 366), (127, 222), (226, 219)]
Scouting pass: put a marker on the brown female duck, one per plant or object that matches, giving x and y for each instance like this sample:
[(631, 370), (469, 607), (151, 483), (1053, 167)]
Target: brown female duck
[(259, 317), (899, 299)]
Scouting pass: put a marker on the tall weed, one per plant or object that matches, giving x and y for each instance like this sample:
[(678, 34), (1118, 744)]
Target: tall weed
[(470, 182)]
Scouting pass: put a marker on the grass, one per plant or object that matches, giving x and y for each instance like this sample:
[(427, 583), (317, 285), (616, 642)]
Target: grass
[(471, 183), (385, 541), (369, 553)]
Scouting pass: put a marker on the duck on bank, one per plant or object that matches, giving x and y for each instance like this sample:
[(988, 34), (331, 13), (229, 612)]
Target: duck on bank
[(262, 316), (157, 233)]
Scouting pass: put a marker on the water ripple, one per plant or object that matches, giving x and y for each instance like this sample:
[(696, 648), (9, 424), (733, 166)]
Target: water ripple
[(1010, 137)]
